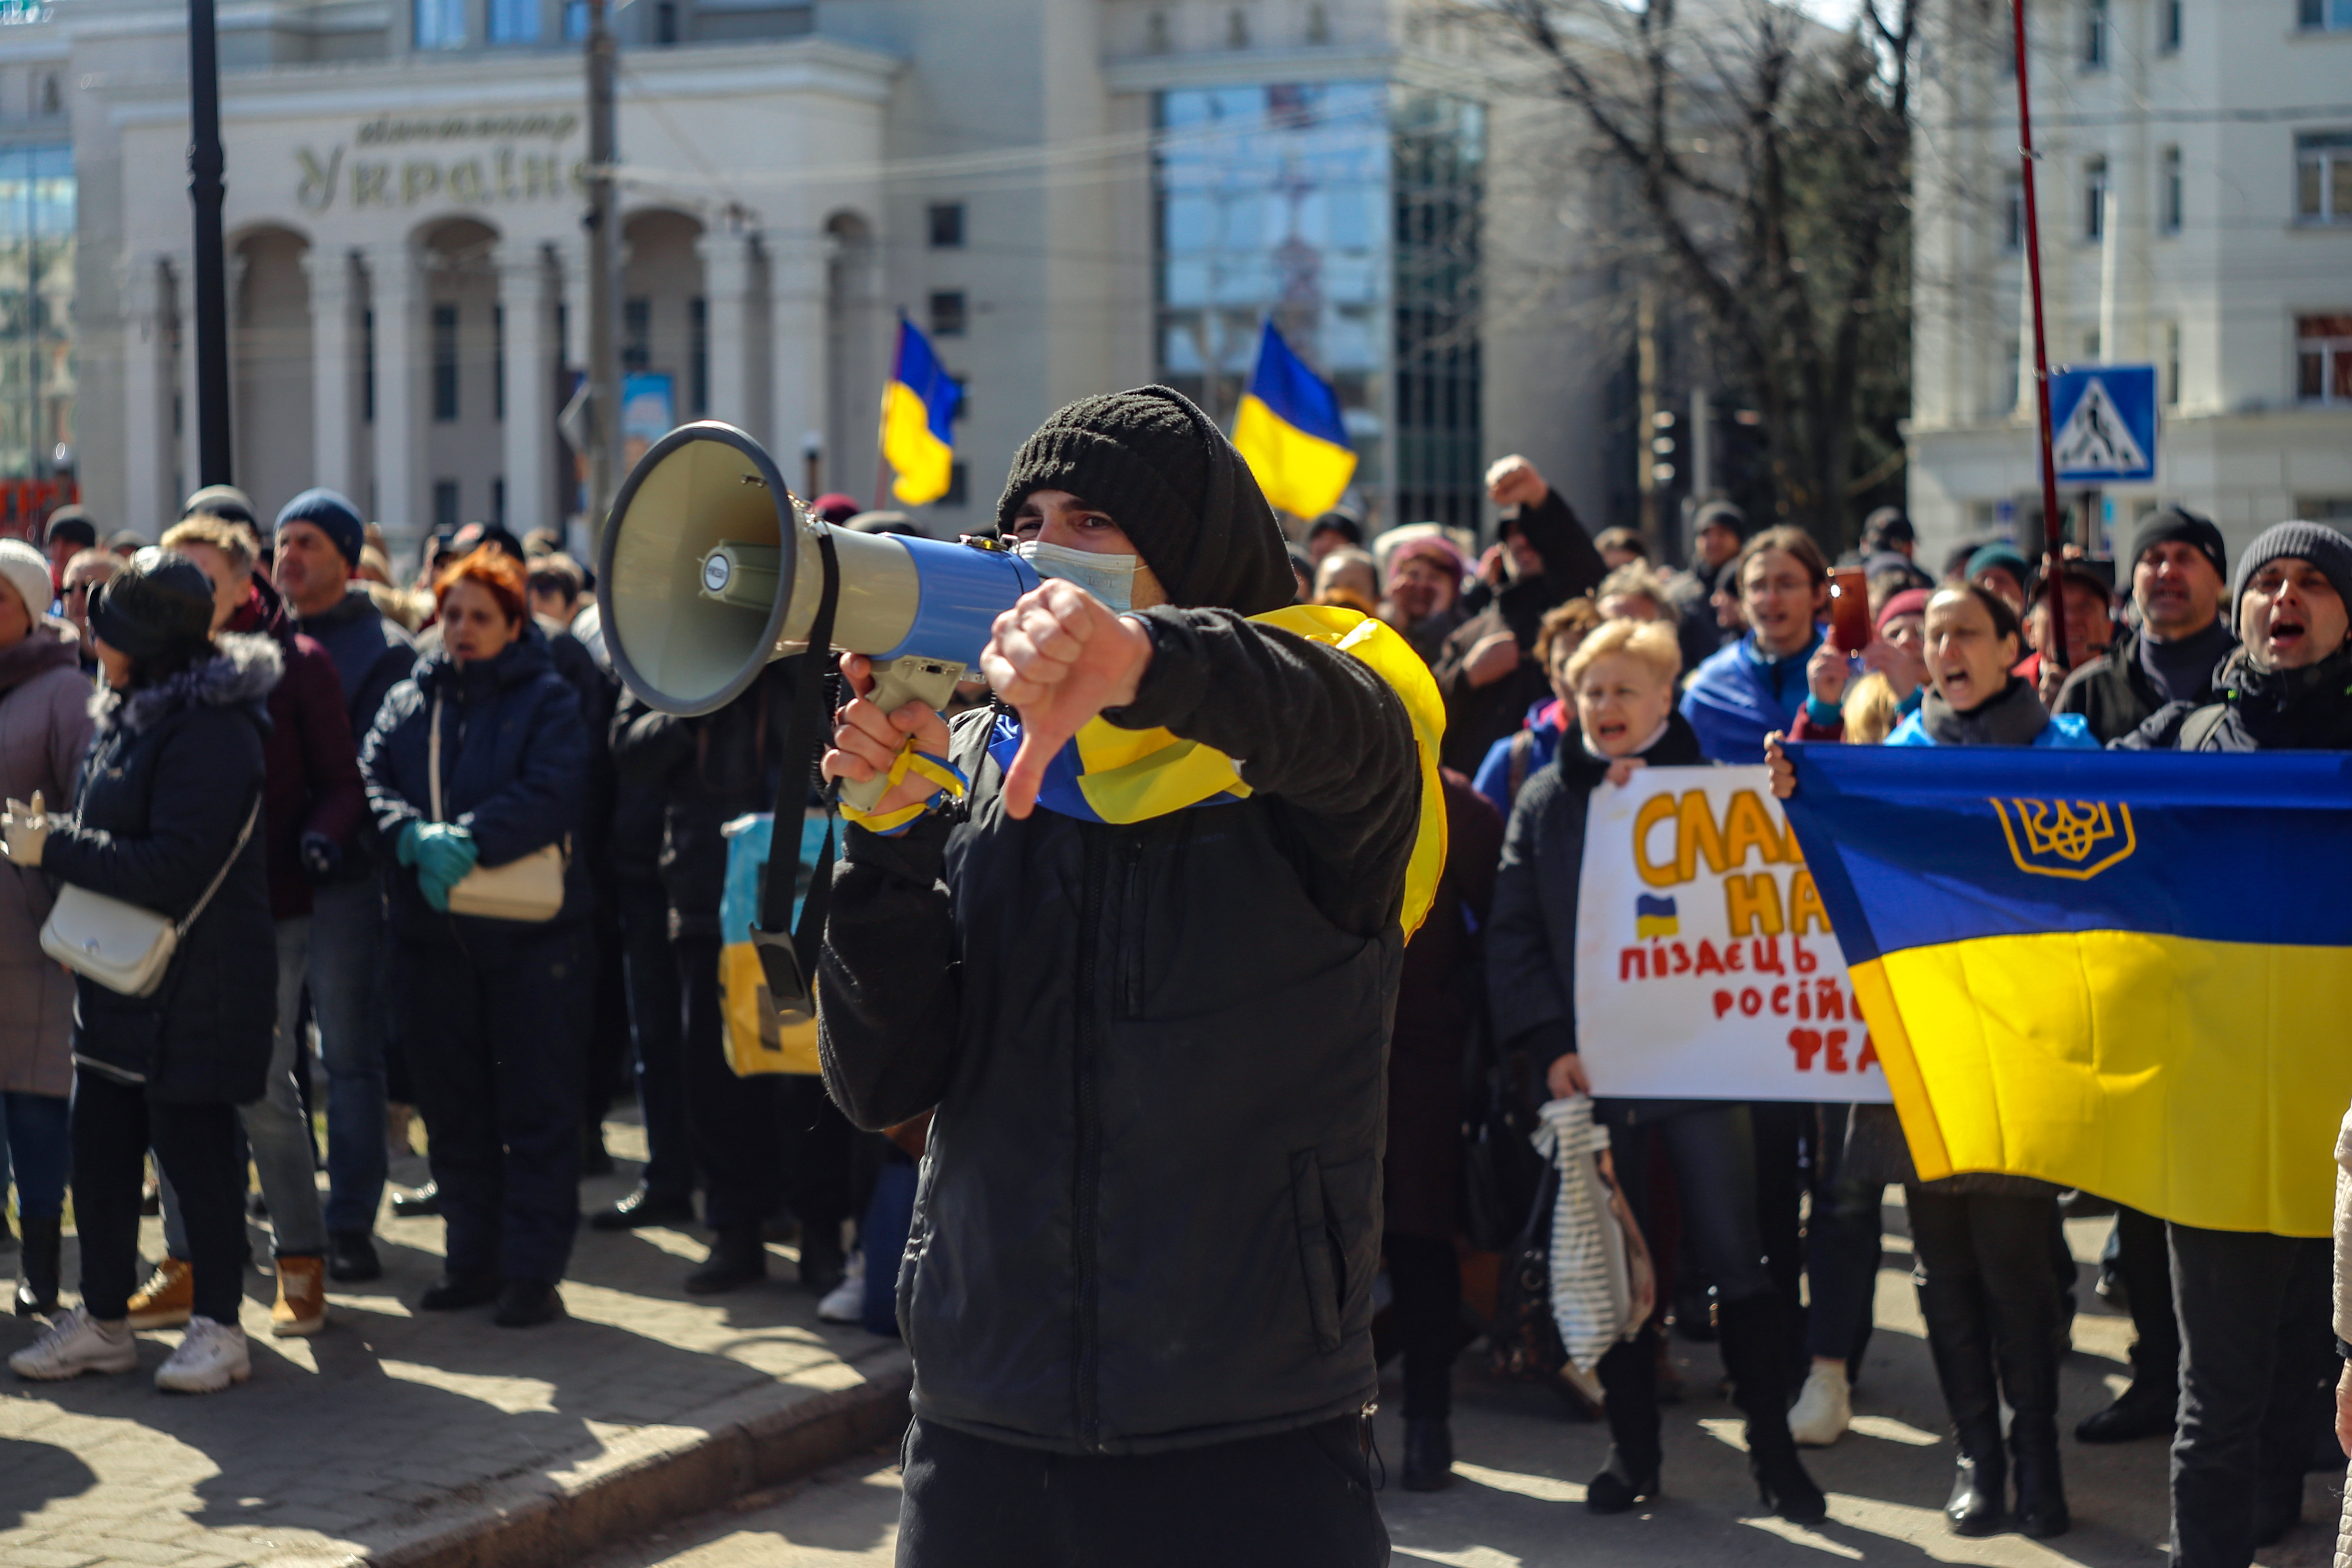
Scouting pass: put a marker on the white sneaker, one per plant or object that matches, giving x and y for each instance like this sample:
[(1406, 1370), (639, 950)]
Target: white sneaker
[(76, 1343), (845, 1302), (1824, 1409), (210, 1356)]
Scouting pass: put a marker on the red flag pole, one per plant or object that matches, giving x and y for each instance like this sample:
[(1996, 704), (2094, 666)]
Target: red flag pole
[(2053, 527), (882, 457)]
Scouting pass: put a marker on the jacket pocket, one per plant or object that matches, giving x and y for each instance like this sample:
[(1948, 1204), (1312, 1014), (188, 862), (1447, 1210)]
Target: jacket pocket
[(1318, 1258)]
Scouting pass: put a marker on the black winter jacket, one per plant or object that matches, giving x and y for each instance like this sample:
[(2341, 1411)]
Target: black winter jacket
[(1150, 1214), (174, 772), (1478, 716), (2113, 692), (1531, 930), (2307, 709), (514, 772), (720, 766)]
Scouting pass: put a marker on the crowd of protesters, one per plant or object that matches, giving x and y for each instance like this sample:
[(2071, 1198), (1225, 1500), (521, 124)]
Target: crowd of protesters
[(332, 781)]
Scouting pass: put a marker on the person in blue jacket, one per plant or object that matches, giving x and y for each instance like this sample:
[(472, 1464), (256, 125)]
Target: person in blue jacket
[(1758, 684), (492, 1011)]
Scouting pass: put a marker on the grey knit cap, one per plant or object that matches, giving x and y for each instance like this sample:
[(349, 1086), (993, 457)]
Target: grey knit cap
[(2316, 542)]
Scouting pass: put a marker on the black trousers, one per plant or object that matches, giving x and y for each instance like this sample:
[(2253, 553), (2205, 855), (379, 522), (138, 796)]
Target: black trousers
[(1981, 1262), (2144, 1259), (1788, 1135), (494, 1039), (656, 1025), (2257, 1361), (1295, 1500), (1426, 1277), (114, 1125), (821, 1162), (1712, 1153), (734, 1121)]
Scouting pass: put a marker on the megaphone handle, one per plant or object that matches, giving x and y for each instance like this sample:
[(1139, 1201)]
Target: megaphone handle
[(897, 682)]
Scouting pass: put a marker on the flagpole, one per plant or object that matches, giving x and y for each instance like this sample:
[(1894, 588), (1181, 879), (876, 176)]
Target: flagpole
[(881, 435), (2053, 526)]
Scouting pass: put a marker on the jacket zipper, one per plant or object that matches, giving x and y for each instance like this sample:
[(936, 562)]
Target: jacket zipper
[(1089, 1152), (1130, 927)]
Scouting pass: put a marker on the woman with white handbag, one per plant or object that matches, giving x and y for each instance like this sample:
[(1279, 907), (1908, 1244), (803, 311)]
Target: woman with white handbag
[(477, 774), (163, 913), (45, 727)]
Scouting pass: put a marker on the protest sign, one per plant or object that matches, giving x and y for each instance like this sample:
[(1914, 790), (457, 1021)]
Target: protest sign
[(1704, 966)]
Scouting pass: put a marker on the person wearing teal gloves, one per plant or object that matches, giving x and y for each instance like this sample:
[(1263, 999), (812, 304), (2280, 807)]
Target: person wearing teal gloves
[(492, 1012)]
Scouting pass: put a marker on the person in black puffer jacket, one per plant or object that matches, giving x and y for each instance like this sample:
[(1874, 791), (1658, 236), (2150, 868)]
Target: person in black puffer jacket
[(167, 814), (2255, 1310), (1139, 1285), (1624, 678), (493, 1012)]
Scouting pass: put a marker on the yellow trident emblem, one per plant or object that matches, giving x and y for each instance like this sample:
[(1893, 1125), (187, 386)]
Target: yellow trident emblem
[(2060, 837)]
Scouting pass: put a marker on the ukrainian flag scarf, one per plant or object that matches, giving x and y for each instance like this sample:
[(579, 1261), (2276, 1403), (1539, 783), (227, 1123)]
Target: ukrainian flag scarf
[(1121, 776)]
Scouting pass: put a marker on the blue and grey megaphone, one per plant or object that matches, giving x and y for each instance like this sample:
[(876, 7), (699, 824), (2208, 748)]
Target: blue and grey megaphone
[(710, 567)]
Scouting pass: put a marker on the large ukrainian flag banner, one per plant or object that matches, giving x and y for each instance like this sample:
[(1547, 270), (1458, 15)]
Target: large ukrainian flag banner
[(1289, 431), (919, 409), (2123, 971)]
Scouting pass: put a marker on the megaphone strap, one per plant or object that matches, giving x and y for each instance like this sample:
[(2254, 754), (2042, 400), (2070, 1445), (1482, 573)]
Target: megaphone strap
[(953, 784)]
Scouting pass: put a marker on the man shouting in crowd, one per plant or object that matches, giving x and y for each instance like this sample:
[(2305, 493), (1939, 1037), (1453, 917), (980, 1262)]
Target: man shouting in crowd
[(1152, 1022)]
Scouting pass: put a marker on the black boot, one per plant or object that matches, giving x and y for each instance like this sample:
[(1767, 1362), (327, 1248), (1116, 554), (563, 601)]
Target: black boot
[(737, 1257), (2026, 1350), (37, 1286), (1629, 1379), (2040, 1490), (1428, 1454), (2146, 1409), (1959, 1337), (1755, 1342), (527, 1303)]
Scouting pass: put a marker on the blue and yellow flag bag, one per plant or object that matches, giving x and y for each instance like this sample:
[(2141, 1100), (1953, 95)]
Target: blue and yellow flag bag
[(2127, 972), (757, 1042), (1110, 774)]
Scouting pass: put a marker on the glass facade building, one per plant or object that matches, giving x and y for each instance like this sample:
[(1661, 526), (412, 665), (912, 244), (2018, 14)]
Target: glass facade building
[(1347, 212), (36, 308)]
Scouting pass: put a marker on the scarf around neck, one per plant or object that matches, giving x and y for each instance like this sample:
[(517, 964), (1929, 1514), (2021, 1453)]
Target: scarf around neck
[(2012, 719)]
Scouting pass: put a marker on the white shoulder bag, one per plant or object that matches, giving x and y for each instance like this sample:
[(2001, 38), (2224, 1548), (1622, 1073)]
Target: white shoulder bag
[(528, 889), (123, 947)]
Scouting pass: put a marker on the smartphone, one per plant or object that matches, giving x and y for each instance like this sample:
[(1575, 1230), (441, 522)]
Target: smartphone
[(1849, 609)]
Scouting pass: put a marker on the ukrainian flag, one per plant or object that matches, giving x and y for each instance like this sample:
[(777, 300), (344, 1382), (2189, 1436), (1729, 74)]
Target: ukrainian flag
[(1289, 431), (918, 410), (2123, 971)]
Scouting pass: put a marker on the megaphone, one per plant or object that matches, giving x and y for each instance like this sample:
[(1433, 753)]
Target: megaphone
[(710, 567)]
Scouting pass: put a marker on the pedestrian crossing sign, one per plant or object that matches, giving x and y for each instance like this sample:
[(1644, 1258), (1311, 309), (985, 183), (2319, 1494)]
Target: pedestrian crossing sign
[(2103, 423)]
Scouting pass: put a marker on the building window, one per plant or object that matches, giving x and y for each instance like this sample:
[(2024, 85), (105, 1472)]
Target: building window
[(2171, 388), (575, 20), (1237, 28), (698, 357), (957, 493), (2323, 358), (367, 367), (666, 22), (37, 326), (440, 24), (2096, 27), (948, 313), (947, 226), (513, 21), (636, 335), (2169, 27), (445, 361), (2323, 177), (2012, 216), (2324, 16), (2168, 217), (1155, 33), (2095, 200), (1318, 24), (445, 506)]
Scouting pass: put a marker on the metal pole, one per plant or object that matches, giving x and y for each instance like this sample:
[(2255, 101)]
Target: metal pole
[(2054, 526), (603, 225), (206, 165)]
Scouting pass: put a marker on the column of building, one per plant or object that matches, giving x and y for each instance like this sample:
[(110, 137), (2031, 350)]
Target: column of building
[(797, 378), (404, 497), (333, 362), (729, 268), (527, 298), (148, 458)]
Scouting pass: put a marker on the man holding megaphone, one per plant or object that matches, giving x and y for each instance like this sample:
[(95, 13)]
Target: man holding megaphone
[(1133, 933)]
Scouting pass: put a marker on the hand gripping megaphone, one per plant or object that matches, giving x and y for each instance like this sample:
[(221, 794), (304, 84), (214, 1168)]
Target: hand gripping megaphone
[(710, 567)]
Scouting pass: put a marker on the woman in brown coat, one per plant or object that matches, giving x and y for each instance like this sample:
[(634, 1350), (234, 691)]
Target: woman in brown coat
[(44, 728)]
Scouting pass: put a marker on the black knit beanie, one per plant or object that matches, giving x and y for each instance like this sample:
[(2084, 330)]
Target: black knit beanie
[(2179, 524), (2314, 541), (159, 601), (1171, 482)]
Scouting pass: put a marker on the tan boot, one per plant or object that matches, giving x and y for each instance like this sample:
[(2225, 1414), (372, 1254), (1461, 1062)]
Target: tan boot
[(168, 1297), (301, 1308)]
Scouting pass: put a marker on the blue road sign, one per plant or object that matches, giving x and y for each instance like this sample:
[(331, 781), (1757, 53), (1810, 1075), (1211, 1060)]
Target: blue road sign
[(2103, 423)]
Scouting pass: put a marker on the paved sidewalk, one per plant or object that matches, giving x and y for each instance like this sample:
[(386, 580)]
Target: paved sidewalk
[(441, 1439)]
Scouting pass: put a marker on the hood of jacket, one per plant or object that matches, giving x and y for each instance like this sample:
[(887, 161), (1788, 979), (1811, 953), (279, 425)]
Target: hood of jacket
[(524, 659), (241, 675)]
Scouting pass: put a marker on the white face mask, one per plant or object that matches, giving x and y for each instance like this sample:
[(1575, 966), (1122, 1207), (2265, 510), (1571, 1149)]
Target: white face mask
[(1110, 578)]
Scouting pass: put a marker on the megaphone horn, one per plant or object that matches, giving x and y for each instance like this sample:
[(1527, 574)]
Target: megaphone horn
[(710, 567)]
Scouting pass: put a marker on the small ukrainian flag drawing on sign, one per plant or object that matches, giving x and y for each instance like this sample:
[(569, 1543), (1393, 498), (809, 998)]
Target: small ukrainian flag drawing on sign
[(1655, 916)]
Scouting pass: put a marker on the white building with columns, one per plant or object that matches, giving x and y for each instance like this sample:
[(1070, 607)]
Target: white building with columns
[(2195, 191), (1070, 196)]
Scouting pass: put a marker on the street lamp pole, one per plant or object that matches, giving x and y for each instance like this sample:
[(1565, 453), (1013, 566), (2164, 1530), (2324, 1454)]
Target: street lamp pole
[(603, 225), (206, 165)]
